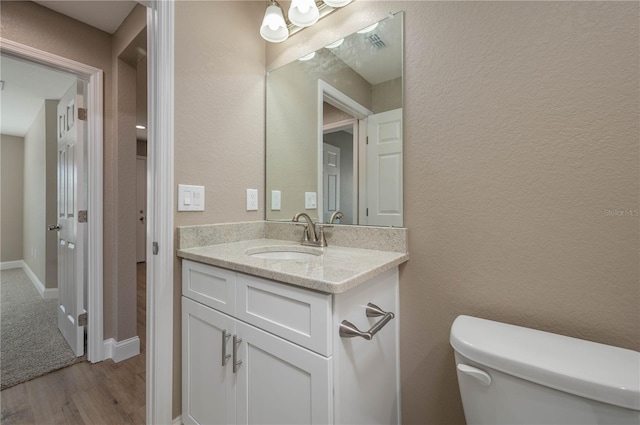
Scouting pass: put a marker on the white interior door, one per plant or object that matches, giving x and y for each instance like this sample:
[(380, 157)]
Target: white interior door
[(141, 209), (384, 169), (331, 178), (71, 234)]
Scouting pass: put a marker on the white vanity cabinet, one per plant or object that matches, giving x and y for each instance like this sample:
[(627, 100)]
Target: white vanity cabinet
[(256, 351)]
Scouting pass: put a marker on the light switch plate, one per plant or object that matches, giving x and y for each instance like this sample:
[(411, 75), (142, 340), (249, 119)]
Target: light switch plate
[(310, 200), (190, 197), (252, 199), (276, 197)]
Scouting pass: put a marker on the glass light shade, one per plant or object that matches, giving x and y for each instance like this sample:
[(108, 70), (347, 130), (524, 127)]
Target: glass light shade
[(273, 28), (308, 57), (303, 13), (335, 44), (368, 29), (337, 3)]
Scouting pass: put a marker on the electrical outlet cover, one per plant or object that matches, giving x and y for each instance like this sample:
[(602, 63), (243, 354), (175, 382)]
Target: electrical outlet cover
[(252, 199), (276, 197), (310, 200)]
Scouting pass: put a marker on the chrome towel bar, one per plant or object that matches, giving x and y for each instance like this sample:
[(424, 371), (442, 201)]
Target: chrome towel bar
[(349, 330)]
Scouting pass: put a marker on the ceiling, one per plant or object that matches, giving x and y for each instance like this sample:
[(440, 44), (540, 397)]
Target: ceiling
[(27, 85), (374, 55), (104, 15)]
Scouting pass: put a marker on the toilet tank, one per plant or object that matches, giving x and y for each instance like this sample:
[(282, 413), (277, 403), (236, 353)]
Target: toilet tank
[(513, 375)]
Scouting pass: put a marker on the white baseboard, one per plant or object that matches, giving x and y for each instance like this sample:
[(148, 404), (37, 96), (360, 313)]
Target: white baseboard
[(7, 265), (121, 350), (45, 293), (177, 420)]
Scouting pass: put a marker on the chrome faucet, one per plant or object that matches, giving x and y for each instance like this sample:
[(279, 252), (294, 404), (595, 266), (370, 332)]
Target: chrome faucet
[(309, 237), (336, 215)]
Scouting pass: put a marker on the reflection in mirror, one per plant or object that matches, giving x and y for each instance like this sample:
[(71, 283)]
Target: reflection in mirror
[(321, 112)]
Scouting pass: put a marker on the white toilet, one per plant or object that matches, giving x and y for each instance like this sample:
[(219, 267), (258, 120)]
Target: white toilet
[(513, 375)]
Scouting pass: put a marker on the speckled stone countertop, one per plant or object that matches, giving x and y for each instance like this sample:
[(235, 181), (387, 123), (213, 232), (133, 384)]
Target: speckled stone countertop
[(337, 270)]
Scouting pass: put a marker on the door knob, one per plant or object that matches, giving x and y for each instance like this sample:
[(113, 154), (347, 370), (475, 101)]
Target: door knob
[(53, 227)]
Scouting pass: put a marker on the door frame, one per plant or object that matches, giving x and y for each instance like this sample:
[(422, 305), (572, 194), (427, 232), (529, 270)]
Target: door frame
[(94, 102), (334, 97), (159, 346), (160, 205)]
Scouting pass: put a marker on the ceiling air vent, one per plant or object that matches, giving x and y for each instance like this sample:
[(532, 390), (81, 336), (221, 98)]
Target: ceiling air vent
[(376, 41)]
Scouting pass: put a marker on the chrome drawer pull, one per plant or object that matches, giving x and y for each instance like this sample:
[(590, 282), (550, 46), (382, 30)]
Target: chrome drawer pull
[(349, 330), (236, 363), (225, 338)]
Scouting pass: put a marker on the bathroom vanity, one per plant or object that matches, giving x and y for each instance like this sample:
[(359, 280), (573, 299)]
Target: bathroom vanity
[(311, 340)]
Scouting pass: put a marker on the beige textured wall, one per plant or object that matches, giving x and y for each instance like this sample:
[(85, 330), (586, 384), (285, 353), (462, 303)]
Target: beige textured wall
[(34, 196), (123, 174), (33, 25), (51, 192), (386, 96), (219, 118), (11, 190), (39, 250), (521, 142)]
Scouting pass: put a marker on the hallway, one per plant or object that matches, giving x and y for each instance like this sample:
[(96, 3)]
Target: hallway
[(85, 393)]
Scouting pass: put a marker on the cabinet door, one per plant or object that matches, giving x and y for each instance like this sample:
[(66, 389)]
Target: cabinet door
[(208, 387), (280, 382)]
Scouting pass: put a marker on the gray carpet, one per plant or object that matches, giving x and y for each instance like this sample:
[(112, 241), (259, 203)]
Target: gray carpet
[(30, 343)]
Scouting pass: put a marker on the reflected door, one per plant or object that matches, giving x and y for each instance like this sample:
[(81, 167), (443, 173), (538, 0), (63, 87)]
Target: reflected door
[(384, 169), (331, 178)]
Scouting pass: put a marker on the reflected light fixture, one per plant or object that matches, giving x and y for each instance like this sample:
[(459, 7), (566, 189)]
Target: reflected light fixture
[(308, 57), (274, 28), (302, 13), (337, 3), (368, 29), (335, 44)]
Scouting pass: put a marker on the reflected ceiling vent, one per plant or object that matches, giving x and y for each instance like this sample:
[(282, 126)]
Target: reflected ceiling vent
[(376, 41)]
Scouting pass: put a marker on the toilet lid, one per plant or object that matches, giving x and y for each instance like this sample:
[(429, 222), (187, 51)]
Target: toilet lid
[(587, 369)]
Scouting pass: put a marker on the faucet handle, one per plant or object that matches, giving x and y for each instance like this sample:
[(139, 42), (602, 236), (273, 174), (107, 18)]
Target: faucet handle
[(322, 241), (305, 233)]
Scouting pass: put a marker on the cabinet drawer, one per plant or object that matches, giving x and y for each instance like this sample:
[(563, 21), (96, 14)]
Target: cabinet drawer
[(297, 315), (209, 285)]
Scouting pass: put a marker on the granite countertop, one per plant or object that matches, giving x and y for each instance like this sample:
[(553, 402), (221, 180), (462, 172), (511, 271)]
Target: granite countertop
[(337, 270)]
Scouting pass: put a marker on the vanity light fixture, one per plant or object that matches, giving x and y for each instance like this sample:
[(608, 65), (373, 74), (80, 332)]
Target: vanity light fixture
[(274, 28), (302, 13)]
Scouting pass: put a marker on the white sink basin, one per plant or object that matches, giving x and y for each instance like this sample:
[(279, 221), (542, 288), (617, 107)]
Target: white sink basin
[(284, 252)]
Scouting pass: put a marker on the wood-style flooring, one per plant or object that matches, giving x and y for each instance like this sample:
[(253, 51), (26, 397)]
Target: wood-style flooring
[(102, 393)]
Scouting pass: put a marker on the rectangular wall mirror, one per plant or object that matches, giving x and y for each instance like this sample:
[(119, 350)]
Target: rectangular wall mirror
[(334, 131)]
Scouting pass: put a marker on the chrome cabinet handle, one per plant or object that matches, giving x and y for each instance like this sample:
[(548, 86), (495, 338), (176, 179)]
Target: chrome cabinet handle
[(236, 363), (53, 227), (349, 330), (225, 338)]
